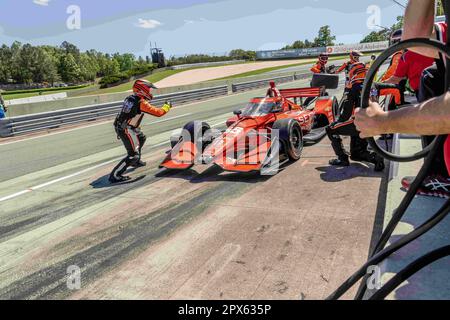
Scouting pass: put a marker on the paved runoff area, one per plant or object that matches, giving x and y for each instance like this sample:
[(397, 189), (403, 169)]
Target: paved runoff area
[(200, 234), (205, 74)]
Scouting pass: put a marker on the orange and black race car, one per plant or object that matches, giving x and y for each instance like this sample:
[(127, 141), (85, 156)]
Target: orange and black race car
[(261, 137)]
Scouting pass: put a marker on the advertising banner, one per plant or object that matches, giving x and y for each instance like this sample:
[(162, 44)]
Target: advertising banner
[(364, 47), (288, 54)]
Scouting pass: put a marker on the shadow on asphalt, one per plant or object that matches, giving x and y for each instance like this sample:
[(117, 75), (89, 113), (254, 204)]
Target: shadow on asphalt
[(103, 182), (356, 169), (213, 174)]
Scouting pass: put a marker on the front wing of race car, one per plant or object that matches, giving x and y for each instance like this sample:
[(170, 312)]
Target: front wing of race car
[(235, 150)]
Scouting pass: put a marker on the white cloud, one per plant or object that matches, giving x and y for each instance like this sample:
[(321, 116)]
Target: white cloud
[(41, 2), (148, 24)]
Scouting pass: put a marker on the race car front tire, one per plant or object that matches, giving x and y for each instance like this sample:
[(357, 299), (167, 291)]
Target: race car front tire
[(291, 137), (193, 130)]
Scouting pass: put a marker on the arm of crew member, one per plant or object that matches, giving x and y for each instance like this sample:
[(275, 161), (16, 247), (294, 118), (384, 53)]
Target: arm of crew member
[(146, 107), (431, 117), (315, 69), (394, 80), (419, 23), (342, 68), (400, 73)]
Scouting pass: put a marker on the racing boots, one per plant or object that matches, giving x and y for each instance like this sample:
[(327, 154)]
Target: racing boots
[(359, 153), (370, 157), (338, 148), (340, 162), (139, 164), (118, 179), (379, 163)]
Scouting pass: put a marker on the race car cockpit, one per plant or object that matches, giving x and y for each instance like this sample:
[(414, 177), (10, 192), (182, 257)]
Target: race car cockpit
[(261, 108)]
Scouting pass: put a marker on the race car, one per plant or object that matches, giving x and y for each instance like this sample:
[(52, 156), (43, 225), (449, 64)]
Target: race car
[(261, 137)]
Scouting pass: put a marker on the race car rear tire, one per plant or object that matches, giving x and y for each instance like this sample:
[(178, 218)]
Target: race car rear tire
[(190, 130), (291, 138)]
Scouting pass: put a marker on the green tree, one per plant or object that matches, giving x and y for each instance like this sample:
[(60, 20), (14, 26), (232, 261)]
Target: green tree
[(46, 69), (239, 54), (107, 66), (324, 38), (384, 34), (68, 69), (111, 67), (88, 67), (298, 45), (126, 61), (24, 63), (375, 36), (5, 64), (49, 64), (69, 48)]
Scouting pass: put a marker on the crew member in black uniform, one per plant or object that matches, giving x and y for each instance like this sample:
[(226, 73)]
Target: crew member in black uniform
[(127, 126), (345, 123)]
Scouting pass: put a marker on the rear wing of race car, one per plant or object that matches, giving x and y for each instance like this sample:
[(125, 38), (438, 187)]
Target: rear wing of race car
[(303, 92)]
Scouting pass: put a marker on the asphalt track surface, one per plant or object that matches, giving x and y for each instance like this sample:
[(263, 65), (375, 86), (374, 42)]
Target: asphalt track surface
[(202, 234)]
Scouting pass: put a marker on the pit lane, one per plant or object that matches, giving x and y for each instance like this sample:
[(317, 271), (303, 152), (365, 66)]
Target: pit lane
[(199, 234)]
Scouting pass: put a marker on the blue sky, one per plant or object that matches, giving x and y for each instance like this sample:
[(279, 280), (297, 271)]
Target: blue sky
[(187, 26)]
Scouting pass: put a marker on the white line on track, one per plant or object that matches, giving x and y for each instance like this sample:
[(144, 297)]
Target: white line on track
[(20, 193), (26, 191), (54, 133), (15, 195), (31, 189), (169, 119)]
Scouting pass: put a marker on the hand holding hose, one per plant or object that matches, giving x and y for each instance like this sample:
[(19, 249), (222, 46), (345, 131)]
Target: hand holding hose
[(370, 121)]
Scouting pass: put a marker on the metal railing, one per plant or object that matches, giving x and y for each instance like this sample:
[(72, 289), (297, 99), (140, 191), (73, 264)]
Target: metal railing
[(244, 86), (56, 119)]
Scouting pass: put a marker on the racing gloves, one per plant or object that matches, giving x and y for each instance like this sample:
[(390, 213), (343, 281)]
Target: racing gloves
[(167, 106)]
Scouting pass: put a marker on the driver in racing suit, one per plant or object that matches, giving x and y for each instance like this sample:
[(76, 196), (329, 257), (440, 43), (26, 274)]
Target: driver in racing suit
[(345, 124), (127, 125), (273, 91)]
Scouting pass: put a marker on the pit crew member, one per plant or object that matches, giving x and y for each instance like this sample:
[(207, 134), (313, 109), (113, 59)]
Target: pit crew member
[(345, 126), (273, 91), (127, 127), (320, 66)]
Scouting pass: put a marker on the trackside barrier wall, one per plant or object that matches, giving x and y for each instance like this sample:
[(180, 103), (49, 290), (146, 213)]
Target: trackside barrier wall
[(5, 128), (244, 86), (88, 100), (302, 76), (55, 119)]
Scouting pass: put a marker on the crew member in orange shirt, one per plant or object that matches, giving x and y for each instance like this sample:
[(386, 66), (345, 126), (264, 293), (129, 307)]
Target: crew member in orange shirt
[(320, 66)]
